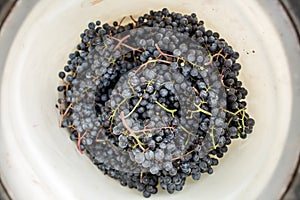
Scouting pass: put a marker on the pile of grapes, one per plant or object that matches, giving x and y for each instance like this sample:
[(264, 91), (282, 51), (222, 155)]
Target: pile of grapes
[(154, 101)]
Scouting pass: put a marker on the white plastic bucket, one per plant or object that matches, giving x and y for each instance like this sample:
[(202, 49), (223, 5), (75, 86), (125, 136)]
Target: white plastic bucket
[(38, 161)]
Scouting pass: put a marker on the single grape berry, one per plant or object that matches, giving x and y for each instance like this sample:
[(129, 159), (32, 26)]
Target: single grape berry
[(62, 75)]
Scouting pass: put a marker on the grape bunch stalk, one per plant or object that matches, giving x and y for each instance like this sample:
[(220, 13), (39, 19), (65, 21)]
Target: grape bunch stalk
[(155, 101)]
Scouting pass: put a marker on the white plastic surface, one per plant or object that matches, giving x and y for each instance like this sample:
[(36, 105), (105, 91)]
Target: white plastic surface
[(38, 161)]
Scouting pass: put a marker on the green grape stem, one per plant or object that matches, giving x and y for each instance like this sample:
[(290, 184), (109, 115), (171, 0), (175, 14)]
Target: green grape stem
[(199, 109), (166, 109)]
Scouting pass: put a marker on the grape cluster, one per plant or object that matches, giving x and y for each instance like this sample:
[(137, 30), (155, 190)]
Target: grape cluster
[(153, 101)]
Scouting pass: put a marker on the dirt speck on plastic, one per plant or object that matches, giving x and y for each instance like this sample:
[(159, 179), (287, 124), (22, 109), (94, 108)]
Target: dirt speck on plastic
[(89, 3)]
